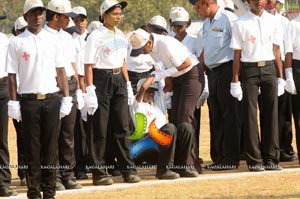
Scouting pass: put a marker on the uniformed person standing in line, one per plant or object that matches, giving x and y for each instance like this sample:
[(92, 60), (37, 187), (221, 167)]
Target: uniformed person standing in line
[(108, 87), (57, 17), (5, 175), (255, 41), (36, 58), (292, 72), (224, 111)]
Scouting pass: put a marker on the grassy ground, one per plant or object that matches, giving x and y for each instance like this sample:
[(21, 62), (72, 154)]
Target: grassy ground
[(226, 184)]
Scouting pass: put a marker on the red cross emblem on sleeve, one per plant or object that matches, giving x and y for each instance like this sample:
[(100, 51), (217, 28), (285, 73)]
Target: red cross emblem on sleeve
[(25, 56), (252, 39), (107, 51)]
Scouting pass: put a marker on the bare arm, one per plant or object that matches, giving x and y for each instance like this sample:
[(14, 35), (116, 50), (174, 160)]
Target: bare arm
[(278, 62), (288, 60), (236, 65), (81, 80), (12, 85), (88, 70), (144, 87), (76, 75), (185, 64), (62, 81)]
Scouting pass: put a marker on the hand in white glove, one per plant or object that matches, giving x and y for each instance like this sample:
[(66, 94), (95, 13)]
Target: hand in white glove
[(65, 106), (168, 100), (83, 112), (90, 99), (290, 84), (236, 90), (259, 91), (204, 95), (159, 75), (80, 100), (14, 110), (130, 93), (281, 84)]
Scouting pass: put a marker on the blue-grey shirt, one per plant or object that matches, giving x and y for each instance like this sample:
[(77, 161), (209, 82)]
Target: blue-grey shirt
[(217, 37)]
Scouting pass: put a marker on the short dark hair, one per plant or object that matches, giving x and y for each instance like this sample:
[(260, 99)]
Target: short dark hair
[(50, 14)]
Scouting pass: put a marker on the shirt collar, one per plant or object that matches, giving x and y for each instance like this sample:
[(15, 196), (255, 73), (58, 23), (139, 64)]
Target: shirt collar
[(51, 30), (29, 34)]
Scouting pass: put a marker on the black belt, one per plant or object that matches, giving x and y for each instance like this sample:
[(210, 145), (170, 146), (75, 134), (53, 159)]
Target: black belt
[(258, 64), (114, 71), (37, 96)]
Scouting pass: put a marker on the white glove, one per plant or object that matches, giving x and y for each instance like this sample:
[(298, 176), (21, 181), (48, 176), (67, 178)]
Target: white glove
[(65, 106), (204, 95), (168, 99), (14, 110), (130, 93), (290, 84), (259, 91), (236, 90), (281, 84), (159, 66), (83, 112), (80, 100), (159, 75), (90, 99)]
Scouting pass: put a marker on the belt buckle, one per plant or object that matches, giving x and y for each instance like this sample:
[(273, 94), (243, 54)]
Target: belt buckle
[(40, 96), (116, 71), (261, 63)]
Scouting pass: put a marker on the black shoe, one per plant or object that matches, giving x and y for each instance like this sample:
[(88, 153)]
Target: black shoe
[(270, 165), (81, 176), (258, 167), (102, 181), (114, 172), (36, 198), (5, 191), (284, 157), (168, 175), (59, 186), (187, 173), (224, 166), (131, 178), (23, 181), (71, 184), (200, 160)]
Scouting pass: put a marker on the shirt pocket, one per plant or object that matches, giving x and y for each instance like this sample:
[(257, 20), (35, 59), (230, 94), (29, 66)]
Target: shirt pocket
[(218, 39)]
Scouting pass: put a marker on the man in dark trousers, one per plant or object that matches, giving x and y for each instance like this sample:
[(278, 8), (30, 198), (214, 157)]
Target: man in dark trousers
[(5, 175), (36, 58)]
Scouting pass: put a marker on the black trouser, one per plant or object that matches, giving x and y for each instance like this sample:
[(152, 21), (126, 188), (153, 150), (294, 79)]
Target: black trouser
[(186, 90), (295, 103), (40, 119), (225, 116), (20, 146), (264, 77), (5, 175), (135, 77), (81, 137), (111, 91), (66, 151), (164, 157)]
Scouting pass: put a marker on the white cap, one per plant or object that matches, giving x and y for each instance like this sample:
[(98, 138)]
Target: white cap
[(280, 1), (154, 85), (229, 4), (61, 7), (138, 40), (107, 4), (94, 25), (30, 4), (79, 10), (179, 16), (159, 22), (221, 3), (20, 23)]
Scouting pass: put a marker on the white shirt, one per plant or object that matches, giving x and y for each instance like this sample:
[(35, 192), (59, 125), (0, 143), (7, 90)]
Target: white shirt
[(140, 64), (155, 111), (283, 23), (3, 50), (34, 58), (199, 42), (255, 36), (171, 52), (216, 38), (67, 43), (190, 41), (292, 41), (79, 40), (106, 49)]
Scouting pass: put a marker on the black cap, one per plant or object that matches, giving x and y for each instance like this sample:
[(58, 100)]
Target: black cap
[(193, 1)]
